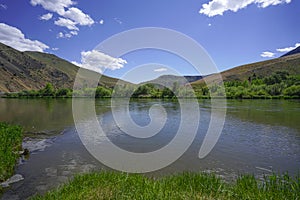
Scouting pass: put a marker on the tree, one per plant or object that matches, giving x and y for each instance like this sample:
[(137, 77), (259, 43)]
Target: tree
[(205, 90), (167, 93), (48, 90), (277, 77), (102, 92), (63, 92), (142, 90)]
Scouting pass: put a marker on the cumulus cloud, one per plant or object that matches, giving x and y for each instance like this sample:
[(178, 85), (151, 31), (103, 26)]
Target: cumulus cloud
[(287, 49), (57, 6), (267, 54), (160, 69), (69, 24), (218, 7), (78, 17), (46, 17), (97, 61), (70, 16), (13, 37), (101, 21)]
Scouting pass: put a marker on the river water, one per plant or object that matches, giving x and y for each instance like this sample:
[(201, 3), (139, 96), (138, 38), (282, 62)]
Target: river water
[(259, 137)]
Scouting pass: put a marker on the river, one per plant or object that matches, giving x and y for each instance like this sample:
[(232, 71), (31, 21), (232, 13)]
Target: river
[(259, 137)]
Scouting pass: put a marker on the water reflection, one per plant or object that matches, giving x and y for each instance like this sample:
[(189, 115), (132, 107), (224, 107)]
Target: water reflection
[(259, 136)]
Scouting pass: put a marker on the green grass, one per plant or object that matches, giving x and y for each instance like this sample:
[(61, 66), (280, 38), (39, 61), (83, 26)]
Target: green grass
[(10, 144), (114, 185)]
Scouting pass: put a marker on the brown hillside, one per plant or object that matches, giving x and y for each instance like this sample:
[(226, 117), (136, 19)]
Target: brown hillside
[(32, 70), (290, 64)]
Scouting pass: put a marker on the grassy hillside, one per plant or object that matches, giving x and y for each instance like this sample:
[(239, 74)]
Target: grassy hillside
[(33, 70), (290, 64)]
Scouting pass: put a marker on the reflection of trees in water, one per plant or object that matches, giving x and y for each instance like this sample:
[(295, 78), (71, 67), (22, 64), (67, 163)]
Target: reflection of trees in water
[(56, 114), (37, 114), (47, 114), (49, 104), (270, 112)]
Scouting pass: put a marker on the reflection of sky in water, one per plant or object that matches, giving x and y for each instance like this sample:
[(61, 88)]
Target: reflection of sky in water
[(259, 136), (263, 129)]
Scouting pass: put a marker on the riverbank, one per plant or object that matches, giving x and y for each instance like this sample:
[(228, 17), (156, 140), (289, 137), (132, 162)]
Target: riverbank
[(279, 85), (115, 185), (10, 147)]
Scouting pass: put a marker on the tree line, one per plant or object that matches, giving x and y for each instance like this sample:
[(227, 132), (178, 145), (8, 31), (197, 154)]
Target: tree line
[(278, 85)]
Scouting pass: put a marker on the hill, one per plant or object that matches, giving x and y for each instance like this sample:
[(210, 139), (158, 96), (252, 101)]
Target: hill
[(170, 79), (32, 70), (295, 51), (290, 64)]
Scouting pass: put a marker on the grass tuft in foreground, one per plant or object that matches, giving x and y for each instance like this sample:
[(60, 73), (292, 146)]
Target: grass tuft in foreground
[(113, 185), (10, 145)]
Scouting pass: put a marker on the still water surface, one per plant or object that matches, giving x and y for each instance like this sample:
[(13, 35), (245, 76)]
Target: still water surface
[(259, 137)]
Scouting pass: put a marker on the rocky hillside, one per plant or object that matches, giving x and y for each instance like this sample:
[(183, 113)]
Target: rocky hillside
[(32, 70)]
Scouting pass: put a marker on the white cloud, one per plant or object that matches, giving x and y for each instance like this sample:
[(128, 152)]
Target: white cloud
[(266, 3), (101, 21), (46, 16), (98, 61), (218, 7), (209, 24), (287, 49), (57, 6), (55, 49), (118, 20), (78, 17), (76, 63), (161, 69), (60, 35), (69, 24), (267, 54), (73, 32), (70, 16), (66, 35), (3, 6), (13, 37)]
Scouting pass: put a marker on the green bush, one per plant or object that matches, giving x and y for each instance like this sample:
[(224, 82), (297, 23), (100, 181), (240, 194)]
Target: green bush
[(293, 90), (63, 92), (102, 92)]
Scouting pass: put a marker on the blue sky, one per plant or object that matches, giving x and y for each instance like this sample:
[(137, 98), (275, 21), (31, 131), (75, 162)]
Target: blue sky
[(233, 32)]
